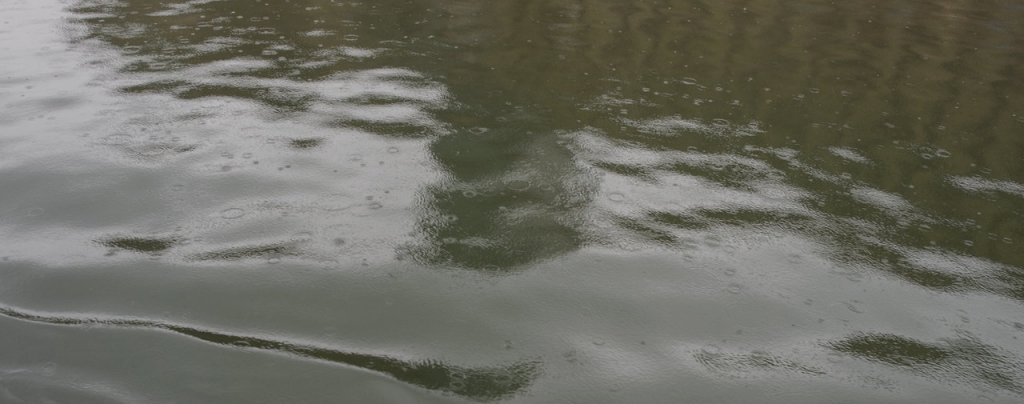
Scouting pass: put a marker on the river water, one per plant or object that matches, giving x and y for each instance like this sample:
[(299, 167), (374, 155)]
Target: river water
[(565, 201)]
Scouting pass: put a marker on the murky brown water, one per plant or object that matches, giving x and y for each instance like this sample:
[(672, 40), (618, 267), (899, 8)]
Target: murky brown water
[(526, 202)]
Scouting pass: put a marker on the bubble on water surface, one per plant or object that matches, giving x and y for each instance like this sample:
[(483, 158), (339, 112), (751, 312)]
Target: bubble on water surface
[(477, 130), (616, 197), (392, 149), (35, 212), (469, 194), (232, 213), (720, 122), (375, 205), (734, 288), (689, 81), (941, 153)]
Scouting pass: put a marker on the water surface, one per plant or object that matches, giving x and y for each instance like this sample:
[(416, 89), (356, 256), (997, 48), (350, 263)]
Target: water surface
[(527, 202)]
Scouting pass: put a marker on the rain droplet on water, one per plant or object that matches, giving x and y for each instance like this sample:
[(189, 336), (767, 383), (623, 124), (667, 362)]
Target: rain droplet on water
[(518, 185)]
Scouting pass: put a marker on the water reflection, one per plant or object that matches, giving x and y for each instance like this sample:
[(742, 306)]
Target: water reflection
[(514, 196), (963, 358), (885, 132)]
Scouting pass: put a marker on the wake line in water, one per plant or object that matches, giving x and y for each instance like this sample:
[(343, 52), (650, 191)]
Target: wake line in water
[(481, 383)]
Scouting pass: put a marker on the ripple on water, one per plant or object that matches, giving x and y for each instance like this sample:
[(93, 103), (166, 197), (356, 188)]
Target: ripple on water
[(232, 213), (117, 139), (518, 185)]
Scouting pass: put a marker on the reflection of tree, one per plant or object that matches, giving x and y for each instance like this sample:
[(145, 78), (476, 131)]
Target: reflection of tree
[(514, 196), (514, 193), (818, 75), (964, 359)]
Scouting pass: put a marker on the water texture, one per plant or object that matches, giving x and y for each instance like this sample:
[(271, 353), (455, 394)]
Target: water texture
[(308, 201)]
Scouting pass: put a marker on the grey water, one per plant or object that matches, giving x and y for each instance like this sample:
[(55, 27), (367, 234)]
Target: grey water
[(563, 201)]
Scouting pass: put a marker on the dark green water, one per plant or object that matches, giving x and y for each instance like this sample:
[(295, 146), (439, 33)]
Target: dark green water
[(315, 201)]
